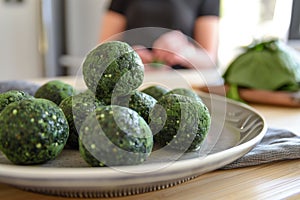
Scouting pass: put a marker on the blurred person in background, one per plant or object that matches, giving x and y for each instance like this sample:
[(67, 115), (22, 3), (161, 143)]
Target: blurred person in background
[(182, 34)]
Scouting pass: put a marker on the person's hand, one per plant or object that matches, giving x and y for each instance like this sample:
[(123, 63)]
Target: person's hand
[(173, 48), (145, 54)]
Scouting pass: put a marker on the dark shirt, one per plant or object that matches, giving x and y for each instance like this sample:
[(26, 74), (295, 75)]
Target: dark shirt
[(148, 19), (162, 14)]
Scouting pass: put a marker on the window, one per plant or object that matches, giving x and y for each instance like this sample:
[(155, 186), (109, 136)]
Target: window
[(243, 21)]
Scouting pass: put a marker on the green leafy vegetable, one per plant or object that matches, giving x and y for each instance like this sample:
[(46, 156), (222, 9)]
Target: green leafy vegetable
[(266, 65)]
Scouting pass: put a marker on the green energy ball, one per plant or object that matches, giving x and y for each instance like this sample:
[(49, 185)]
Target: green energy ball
[(76, 108), (32, 131), (55, 91), (186, 92), (11, 96), (138, 101), (112, 69), (155, 91), (179, 122), (114, 135)]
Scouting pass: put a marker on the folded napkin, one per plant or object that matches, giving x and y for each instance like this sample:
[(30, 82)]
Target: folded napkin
[(25, 86), (276, 145)]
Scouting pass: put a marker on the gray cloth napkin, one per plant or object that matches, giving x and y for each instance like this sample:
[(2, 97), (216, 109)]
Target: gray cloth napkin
[(25, 86), (276, 145)]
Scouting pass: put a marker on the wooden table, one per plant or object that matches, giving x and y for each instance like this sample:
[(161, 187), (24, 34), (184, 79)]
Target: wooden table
[(279, 180)]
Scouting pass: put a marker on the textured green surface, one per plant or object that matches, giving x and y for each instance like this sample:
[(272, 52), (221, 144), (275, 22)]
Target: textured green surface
[(267, 65), (11, 96), (115, 135), (55, 91), (156, 91), (76, 108), (138, 101), (179, 122), (112, 69), (32, 131), (185, 92)]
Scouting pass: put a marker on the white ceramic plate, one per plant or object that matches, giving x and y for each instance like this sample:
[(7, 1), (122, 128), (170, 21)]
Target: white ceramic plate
[(236, 129)]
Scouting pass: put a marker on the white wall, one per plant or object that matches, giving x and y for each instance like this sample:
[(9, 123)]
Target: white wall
[(19, 53), (20, 57), (83, 26)]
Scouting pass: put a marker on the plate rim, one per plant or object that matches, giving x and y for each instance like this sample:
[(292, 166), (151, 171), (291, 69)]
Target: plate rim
[(89, 177)]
